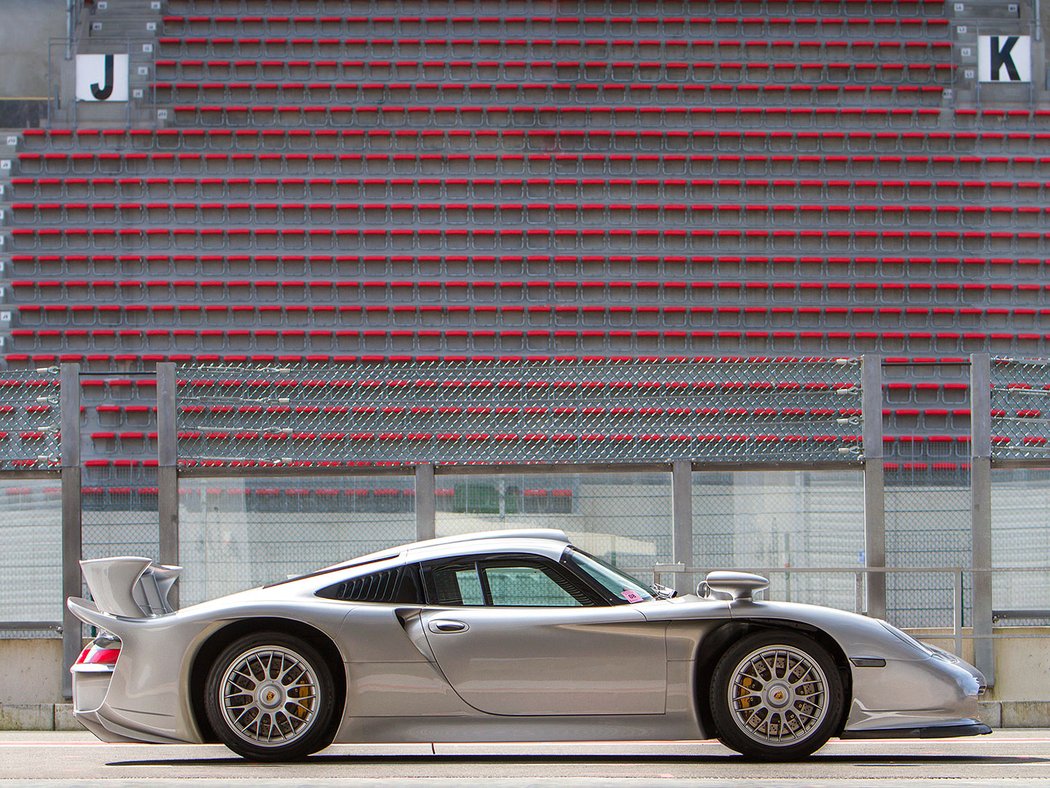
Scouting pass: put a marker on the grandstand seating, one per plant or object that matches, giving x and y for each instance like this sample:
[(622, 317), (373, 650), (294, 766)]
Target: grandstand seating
[(340, 182)]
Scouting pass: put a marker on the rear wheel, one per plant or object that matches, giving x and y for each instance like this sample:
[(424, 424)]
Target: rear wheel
[(270, 697), (776, 696)]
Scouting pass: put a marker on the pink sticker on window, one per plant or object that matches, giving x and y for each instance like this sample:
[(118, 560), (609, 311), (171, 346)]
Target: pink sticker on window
[(631, 596)]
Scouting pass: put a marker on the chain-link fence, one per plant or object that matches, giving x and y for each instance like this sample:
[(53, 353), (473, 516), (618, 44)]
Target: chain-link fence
[(30, 502), (282, 469), (634, 410), (29, 420), (1020, 396), (320, 418), (1020, 489)]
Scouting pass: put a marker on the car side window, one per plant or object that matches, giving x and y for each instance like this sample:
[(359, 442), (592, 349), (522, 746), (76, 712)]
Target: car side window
[(469, 586), (456, 584), (397, 585), (526, 586), (505, 581)]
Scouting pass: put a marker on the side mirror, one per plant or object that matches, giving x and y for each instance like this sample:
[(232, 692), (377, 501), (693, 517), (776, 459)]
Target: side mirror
[(735, 586), (704, 591)]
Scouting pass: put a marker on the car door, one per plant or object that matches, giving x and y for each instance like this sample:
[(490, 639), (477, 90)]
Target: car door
[(520, 635)]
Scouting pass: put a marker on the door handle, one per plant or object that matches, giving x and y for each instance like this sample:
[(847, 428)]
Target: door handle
[(444, 626)]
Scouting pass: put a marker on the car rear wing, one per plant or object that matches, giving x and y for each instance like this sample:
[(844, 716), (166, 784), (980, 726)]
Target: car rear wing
[(130, 586)]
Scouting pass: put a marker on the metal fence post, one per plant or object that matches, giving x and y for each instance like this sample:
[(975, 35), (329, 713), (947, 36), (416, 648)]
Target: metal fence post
[(981, 512), (682, 520), (72, 527), (426, 504), (874, 483), (167, 470)]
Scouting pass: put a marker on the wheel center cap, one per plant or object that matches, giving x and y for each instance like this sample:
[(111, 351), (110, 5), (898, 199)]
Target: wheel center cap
[(778, 695), (270, 696)]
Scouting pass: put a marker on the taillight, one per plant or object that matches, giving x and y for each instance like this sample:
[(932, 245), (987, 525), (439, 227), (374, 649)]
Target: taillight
[(101, 651)]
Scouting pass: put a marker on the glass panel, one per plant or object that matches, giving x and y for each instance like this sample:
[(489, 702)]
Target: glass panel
[(1021, 542), (927, 525), (616, 582), (623, 518), (237, 533), (773, 521), (458, 585), (31, 551), (470, 592), (526, 586)]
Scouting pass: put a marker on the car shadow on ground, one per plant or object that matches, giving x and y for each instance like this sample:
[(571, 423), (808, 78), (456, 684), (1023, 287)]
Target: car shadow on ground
[(838, 760)]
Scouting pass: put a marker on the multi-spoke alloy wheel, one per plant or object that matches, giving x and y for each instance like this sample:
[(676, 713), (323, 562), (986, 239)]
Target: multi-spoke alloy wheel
[(776, 695), (270, 698)]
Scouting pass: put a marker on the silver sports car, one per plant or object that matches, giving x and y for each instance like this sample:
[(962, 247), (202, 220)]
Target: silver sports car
[(499, 636)]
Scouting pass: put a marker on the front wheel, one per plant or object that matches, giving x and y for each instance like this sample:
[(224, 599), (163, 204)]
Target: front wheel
[(776, 696), (270, 697)]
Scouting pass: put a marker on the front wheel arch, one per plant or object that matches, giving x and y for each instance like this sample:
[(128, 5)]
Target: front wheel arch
[(714, 644), (219, 640), (777, 695)]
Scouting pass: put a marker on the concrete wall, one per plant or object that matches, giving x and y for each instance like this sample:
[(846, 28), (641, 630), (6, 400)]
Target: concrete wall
[(31, 690), (32, 671), (25, 28)]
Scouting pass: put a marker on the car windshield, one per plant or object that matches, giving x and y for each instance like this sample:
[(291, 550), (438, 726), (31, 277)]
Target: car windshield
[(620, 585)]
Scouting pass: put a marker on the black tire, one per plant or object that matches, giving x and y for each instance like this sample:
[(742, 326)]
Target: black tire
[(776, 696), (282, 701)]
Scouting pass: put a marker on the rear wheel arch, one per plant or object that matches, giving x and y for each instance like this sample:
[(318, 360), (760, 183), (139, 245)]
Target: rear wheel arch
[(716, 643), (210, 650)]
